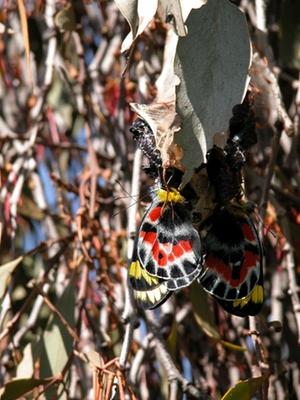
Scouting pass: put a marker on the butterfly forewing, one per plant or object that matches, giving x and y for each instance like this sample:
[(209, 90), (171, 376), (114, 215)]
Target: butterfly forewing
[(168, 245)]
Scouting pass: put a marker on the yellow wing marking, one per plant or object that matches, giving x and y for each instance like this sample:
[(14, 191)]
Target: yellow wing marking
[(137, 272), (257, 296)]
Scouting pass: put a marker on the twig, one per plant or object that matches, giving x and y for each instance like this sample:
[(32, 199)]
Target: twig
[(129, 315), (166, 360), (58, 314), (291, 271), (173, 390), (268, 179), (138, 359)]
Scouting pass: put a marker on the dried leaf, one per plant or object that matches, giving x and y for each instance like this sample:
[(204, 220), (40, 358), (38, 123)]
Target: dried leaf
[(138, 14), (164, 123), (167, 80), (212, 63)]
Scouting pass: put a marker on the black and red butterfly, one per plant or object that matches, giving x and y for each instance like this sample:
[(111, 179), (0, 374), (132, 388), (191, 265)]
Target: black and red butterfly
[(233, 264), (167, 252)]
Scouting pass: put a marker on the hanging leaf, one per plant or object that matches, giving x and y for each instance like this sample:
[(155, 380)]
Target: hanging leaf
[(212, 64), (205, 317), (245, 389)]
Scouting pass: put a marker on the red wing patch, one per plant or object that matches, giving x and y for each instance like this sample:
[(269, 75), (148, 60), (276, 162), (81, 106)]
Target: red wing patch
[(155, 214)]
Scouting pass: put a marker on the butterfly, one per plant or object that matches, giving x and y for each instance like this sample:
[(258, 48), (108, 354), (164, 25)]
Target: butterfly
[(167, 253), (233, 263)]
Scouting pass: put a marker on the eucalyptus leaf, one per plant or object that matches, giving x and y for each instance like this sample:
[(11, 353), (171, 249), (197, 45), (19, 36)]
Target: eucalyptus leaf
[(212, 64)]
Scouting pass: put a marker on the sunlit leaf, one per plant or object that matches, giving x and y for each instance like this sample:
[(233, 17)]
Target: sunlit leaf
[(244, 389), (25, 368), (5, 273), (212, 64)]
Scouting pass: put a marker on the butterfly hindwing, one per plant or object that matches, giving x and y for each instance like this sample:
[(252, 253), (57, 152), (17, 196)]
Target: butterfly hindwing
[(233, 255), (168, 244), (249, 305), (149, 291)]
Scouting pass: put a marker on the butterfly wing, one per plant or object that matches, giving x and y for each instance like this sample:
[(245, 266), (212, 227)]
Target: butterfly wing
[(149, 291), (233, 255), (168, 244)]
